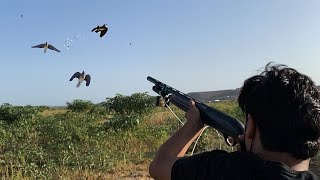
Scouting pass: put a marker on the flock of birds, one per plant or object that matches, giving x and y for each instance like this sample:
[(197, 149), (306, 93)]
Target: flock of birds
[(80, 76)]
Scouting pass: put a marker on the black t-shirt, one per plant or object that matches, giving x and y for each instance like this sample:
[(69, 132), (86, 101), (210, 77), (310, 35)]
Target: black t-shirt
[(220, 164)]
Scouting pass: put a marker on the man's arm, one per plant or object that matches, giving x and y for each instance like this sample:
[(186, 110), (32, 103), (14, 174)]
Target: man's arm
[(177, 145)]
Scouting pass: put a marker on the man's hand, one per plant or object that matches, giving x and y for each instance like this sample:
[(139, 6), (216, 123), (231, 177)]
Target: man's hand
[(177, 145), (193, 116)]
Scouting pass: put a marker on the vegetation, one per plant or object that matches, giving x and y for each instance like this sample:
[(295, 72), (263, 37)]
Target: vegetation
[(117, 138)]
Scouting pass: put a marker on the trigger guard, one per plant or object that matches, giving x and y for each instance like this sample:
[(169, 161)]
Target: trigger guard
[(230, 141)]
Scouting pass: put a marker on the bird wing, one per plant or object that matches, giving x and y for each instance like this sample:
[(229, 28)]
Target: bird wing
[(39, 46), (94, 29), (87, 79), (75, 75), (53, 48)]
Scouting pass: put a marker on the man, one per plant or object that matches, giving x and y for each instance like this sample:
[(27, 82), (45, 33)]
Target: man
[(282, 133)]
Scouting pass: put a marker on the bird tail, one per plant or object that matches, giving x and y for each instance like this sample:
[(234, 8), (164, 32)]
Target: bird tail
[(78, 84), (45, 50)]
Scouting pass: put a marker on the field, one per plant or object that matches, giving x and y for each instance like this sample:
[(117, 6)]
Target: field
[(88, 141)]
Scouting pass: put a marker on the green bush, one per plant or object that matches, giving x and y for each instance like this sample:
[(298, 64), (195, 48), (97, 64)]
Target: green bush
[(137, 103), (9, 113), (119, 123), (42, 108), (128, 110), (86, 107), (79, 105)]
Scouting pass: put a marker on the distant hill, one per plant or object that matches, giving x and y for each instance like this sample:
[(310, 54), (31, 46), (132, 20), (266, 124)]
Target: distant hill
[(211, 96), (57, 107)]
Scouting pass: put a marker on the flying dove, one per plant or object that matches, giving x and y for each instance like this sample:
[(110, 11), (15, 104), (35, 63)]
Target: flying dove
[(102, 29), (46, 46), (81, 77)]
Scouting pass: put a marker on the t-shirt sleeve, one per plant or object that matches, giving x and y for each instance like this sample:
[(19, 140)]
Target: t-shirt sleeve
[(196, 166)]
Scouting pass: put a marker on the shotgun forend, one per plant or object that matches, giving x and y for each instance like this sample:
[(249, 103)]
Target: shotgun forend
[(230, 127)]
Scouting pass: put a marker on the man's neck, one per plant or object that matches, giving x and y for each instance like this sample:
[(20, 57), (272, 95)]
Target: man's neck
[(286, 158)]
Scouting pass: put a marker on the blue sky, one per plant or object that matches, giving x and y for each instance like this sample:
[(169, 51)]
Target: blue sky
[(190, 45)]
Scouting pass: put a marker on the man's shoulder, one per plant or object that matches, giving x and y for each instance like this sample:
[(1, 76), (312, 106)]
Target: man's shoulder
[(235, 165), (255, 166), (241, 156), (215, 156)]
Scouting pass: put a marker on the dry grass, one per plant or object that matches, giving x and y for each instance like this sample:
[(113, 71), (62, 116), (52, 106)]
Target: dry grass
[(131, 171), (51, 112), (125, 171), (161, 117)]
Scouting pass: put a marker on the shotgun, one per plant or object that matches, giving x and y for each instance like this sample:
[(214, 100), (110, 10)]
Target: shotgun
[(230, 127)]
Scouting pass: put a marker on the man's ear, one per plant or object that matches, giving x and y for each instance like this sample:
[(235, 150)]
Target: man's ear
[(250, 127)]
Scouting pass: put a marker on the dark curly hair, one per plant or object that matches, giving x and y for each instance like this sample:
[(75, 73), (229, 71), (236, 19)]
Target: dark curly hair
[(285, 105)]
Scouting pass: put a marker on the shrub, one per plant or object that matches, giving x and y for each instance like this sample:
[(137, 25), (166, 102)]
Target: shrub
[(137, 103), (9, 113), (128, 110), (79, 105)]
